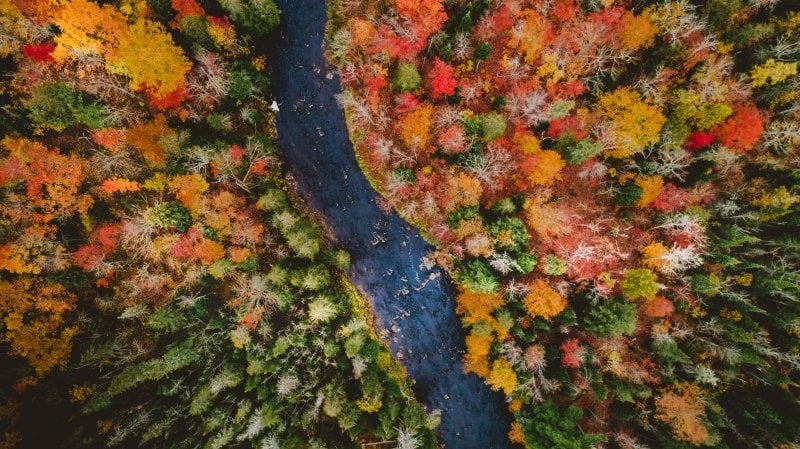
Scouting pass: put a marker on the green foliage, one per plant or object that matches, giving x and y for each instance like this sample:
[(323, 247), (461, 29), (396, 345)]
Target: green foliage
[(628, 194), (257, 17), (406, 78), (482, 51), (611, 319), (581, 151), (493, 125), (545, 426), (57, 106), (639, 283), (509, 233), (169, 215), (176, 358), (478, 277)]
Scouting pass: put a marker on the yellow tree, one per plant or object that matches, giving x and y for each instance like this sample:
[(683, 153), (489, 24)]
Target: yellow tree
[(633, 122)]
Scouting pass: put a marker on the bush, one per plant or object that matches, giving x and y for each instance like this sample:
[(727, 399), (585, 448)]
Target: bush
[(611, 319)]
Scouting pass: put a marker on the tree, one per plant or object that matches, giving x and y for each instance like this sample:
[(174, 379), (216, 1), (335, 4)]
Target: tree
[(611, 319), (741, 131), (57, 106), (415, 126), (681, 408), (406, 77), (33, 312), (639, 283), (502, 377), (633, 122), (169, 215), (257, 17), (477, 277), (543, 301), (546, 426), (442, 79)]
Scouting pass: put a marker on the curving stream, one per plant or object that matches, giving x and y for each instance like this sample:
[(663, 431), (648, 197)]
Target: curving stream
[(412, 303)]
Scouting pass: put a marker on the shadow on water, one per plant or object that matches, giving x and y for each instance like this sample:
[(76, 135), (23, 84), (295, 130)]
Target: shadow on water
[(414, 304)]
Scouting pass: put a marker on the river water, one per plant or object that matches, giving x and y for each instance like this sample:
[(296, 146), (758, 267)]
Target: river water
[(413, 305)]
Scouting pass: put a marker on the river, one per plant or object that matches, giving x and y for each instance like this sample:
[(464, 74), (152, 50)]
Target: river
[(413, 304)]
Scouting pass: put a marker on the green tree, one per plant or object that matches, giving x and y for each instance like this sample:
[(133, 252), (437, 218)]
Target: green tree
[(57, 106)]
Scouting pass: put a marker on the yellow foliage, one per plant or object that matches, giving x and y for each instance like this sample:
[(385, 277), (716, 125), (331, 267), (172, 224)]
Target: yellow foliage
[(475, 360), (515, 435), (543, 300), (547, 169), (527, 142), (530, 36), (651, 187), (463, 190), (772, 72), (477, 307), (633, 122), (502, 377), (637, 31), (32, 312), (369, 404), (143, 50), (652, 255), (11, 25), (415, 126), (87, 29)]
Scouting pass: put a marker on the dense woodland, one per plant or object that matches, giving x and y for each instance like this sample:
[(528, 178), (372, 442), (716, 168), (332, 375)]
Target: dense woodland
[(614, 186), (158, 286)]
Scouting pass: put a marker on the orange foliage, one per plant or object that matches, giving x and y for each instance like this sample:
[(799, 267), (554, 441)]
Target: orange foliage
[(148, 138), (740, 131), (111, 139), (114, 185), (425, 17), (189, 189), (542, 167), (683, 410), (543, 300), (477, 307), (651, 255), (208, 251), (475, 360), (463, 190), (415, 126), (658, 307), (637, 31), (33, 316), (52, 180), (530, 37)]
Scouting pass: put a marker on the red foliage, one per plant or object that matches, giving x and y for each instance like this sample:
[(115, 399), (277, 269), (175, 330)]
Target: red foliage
[(183, 248), (405, 102), (259, 167), (102, 242), (186, 8), (698, 140), (171, 100), (573, 352), (564, 10), (237, 153), (741, 131), (39, 52), (443, 81), (569, 124), (452, 139), (671, 199)]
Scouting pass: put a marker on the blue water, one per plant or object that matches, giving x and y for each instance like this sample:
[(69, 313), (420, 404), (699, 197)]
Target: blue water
[(416, 313)]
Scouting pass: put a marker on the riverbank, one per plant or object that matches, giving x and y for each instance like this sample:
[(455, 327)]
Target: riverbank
[(412, 300)]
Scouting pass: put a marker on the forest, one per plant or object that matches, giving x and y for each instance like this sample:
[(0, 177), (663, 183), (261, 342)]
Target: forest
[(613, 187)]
